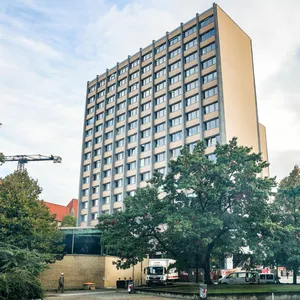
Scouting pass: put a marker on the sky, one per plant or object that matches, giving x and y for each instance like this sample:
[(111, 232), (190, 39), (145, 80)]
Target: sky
[(50, 49)]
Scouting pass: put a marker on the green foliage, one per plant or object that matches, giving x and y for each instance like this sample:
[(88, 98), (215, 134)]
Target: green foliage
[(205, 207), (1, 158), (26, 222), (19, 284), (68, 221)]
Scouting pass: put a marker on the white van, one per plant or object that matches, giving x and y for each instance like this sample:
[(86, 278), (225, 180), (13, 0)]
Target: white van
[(267, 278), (240, 278)]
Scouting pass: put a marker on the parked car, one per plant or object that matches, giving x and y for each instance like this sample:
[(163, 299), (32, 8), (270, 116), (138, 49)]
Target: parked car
[(267, 278), (240, 278)]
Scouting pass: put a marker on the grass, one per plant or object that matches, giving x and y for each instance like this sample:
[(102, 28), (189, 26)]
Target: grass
[(231, 289)]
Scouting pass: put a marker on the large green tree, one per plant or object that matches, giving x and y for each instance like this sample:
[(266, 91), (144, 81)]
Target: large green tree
[(68, 221), (26, 222), (199, 208)]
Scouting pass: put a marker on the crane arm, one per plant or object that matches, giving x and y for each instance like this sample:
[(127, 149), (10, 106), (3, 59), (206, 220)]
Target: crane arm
[(35, 157)]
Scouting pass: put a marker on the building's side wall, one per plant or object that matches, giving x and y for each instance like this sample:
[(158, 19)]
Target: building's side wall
[(238, 86), (264, 147)]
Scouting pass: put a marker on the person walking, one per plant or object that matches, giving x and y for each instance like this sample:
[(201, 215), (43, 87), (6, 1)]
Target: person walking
[(61, 283), (287, 274)]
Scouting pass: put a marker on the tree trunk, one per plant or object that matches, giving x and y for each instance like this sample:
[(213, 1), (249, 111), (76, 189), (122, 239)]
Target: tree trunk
[(197, 267), (205, 264), (295, 271)]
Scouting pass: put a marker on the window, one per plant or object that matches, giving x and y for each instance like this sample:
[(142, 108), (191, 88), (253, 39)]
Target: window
[(83, 218), (175, 79), (160, 86), (99, 127), (160, 48), (107, 173), (160, 127), (175, 107), (112, 77), (212, 141), (109, 123), (111, 88), (175, 93), (118, 198), (135, 63), (160, 113), (175, 152), (159, 157), (208, 48), (110, 111), (209, 62), (90, 121), (95, 202), (86, 180), (89, 132), (176, 65), (132, 125), (146, 119), (161, 170), (123, 81), (193, 130), (190, 31), (190, 44), (192, 146), (86, 168), (176, 136), (122, 105), (211, 124), (106, 200), (101, 94), (211, 108), (175, 39), (131, 152), (99, 116), (90, 110), (160, 100), (192, 85), (119, 155), (192, 115), (97, 152), (132, 112), (192, 100), (206, 21), (175, 52), (88, 144), (121, 93), (108, 160), (120, 143), (111, 99), (123, 70), (212, 157), (147, 56), (145, 147), (118, 183), (131, 180), (119, 170), (146, 93), (134, 87), (120, 130), (207, 35), (132, 100), (160, 60), (132, 138), (145, 161), (146, 106), (160, 142), (121, 118), (147, 80), (94, 216), (95, 190), (100, 104), (92, 88), (85, 192), (145, 133), (108, 147), (160, 73), (145, 176), (84, 205), (101, 83), (191, 57), (97, 164), (134, 75), (211, 92), (209, 77), (91, 99), (176, 121), (131, 166), (98, 139), (146, 68), (96, 176), (191, 71)]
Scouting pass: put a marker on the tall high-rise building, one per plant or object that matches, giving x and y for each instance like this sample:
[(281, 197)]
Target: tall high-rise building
[(195, 83)]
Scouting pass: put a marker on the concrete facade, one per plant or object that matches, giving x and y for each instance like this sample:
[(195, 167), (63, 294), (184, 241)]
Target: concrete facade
[(78, 269), (195, 83)]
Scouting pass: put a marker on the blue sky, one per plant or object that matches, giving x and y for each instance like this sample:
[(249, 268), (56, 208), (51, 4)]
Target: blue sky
[(49, 49)]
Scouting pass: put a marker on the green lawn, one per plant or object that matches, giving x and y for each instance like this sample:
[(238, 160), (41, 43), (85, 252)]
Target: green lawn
[(231, 289)]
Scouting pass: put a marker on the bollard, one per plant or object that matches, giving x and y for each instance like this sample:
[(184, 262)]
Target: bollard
[(203, 291)]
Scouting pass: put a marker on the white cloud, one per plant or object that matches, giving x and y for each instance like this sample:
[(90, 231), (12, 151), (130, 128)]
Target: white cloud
[(50, 49)]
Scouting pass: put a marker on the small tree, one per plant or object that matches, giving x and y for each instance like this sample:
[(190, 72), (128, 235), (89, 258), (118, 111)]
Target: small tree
[(68, 221)]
